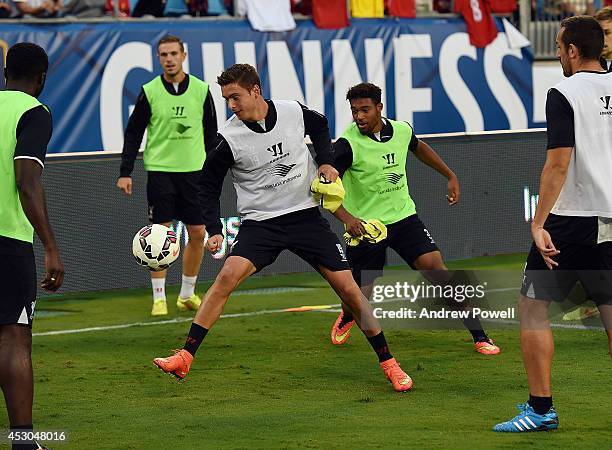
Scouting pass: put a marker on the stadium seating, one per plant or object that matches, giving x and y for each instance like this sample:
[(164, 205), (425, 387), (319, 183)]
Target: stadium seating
[(124, 8), (216, 8), (176, 8)]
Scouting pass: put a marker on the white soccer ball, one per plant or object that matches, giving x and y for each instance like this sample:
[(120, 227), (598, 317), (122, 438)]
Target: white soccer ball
[(155, 247)]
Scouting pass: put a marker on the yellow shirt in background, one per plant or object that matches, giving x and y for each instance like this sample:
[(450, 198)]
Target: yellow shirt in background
[(367, 8)]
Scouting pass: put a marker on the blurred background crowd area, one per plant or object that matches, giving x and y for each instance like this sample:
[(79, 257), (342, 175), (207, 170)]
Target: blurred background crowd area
[(48, 9)]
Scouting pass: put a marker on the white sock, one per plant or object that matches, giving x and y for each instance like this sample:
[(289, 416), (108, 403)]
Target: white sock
[(188, 286), (159, 288)]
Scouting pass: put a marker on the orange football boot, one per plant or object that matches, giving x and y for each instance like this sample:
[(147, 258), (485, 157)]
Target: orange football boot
[(177, 364), (397, 377), (340, 335), (487, 347)]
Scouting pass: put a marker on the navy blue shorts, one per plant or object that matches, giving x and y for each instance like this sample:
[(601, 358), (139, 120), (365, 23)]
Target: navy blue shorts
[(175, 195), (18, 297), (588, 265), (305, 233), (409, 238)]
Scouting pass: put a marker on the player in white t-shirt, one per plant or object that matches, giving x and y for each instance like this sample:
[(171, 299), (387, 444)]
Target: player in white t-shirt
[(262, 145), (572, 227)]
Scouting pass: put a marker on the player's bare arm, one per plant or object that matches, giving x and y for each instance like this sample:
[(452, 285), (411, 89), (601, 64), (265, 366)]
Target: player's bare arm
[(551, 181), (354, 225), (28, 176), (427, 155)]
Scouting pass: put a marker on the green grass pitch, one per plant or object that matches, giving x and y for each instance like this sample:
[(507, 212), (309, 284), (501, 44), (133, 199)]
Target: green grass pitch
[(275, 381)]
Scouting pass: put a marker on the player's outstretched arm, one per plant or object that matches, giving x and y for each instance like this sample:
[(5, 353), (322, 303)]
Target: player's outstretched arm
[(428, 156), (28, 176)]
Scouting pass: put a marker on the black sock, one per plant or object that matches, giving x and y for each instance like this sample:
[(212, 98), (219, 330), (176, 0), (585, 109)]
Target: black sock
[(23, 444), (379, 344), (196, 335), (346, 318), (540, 405), (479, 335), (471, 323)]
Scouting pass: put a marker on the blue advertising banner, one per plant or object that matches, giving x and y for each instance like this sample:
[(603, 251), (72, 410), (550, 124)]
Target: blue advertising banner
[(430, 75)]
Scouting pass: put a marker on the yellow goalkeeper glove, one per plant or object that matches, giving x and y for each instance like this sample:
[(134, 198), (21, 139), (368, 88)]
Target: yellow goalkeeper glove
[(328, 194), (376, 231)]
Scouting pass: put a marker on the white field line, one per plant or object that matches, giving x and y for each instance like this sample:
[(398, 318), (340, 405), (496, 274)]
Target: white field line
[(161, 322), (332, 309)]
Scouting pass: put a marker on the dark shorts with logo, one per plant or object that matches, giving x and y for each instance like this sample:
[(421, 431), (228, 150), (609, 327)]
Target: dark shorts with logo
[(175, 195), (408, 237), (18, 281), (305, 233), (589, 265)]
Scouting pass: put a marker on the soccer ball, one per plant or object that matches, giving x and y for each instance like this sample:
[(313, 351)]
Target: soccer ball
[(155, 247)]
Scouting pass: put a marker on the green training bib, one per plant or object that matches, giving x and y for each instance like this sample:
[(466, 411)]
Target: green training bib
[(376, 184)]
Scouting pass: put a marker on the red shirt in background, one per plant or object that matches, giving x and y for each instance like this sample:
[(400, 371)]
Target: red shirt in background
[(479, 21)]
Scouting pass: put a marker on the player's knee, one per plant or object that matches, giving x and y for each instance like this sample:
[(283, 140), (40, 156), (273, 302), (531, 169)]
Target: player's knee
[(533, 313), (349, 292), (17, 340), (430, 261), (227, 280), (196, 235), (439, 265)]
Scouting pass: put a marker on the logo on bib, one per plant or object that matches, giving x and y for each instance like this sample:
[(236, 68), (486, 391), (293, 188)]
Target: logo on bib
[(606, 104), (276, 149), (178, 110), (180, 128), (281, 170), (394, 178)]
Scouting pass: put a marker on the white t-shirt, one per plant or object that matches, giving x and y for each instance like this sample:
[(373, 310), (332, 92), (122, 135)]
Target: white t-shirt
[(269, 15)]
